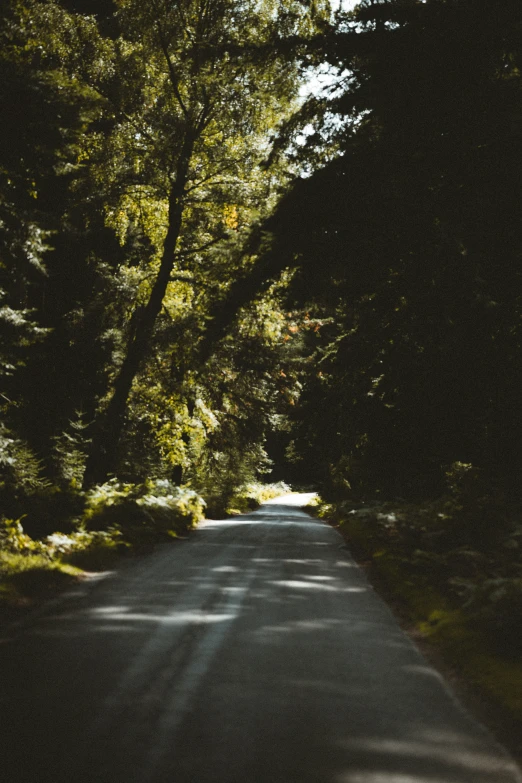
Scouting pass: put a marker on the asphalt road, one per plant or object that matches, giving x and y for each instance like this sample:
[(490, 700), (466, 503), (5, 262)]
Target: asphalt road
[(254, 652)]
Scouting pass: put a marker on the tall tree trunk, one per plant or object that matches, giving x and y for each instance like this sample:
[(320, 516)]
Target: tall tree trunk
[(101, 461)]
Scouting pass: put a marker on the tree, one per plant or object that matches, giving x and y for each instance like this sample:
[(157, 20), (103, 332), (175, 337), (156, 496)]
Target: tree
[(191, 121), (409, 238), (43, 117), (55, 248)]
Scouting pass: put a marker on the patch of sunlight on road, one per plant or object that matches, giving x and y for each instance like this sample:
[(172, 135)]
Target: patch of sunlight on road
[(387, 777), (426, 671), (308, 561), (299, 626), (110, 610), (302, 585), (176, 618), (445, 747), (295, 499), (224, 523)]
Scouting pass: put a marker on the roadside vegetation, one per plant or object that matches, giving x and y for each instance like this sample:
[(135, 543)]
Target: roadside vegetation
[(451, 568), (116, 520)]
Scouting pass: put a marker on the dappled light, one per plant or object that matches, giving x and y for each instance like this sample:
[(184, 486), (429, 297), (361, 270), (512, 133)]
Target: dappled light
[(249, 247), (202, 657)]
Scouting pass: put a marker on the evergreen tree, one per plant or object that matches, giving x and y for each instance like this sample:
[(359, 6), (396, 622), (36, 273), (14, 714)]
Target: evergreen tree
[(410, 238), (44, 114)]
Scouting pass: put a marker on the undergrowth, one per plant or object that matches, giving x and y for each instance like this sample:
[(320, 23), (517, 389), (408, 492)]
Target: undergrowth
[(114, 518), (33, 575), (247, 497), (110, 520)]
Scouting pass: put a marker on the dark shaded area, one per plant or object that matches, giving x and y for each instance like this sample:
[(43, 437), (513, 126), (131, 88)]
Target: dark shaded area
[(410, 242), (103, 10)]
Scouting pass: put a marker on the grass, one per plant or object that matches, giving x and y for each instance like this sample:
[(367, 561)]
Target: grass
[(24, 576), (96, 558)]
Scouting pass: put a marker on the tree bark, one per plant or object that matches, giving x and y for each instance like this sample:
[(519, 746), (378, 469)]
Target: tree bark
[(102, 457)]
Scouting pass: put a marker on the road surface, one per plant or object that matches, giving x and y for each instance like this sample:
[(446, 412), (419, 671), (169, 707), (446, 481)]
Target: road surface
[(254, 652)]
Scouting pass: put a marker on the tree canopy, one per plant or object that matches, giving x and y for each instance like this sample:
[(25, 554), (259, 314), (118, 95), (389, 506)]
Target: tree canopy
[(409, 238), (194, 258)]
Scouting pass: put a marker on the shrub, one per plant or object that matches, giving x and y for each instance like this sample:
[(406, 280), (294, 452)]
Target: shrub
[(143, 512), (93, 550), (247, 497), (14, 540), (20, 470), (50, 509)]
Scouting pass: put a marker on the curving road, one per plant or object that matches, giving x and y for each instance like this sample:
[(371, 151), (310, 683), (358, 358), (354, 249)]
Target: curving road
[(254, 652)]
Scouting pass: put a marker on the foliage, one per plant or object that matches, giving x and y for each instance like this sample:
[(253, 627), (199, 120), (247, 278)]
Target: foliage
[(110, 520), (408, 239), (188, 198), (50, 267), (20, 470), (496, 605), (30, 568), (15, 540), (56, 546), (108, 133), (251, 495), (144, 513), (260, 493), (434, 559)]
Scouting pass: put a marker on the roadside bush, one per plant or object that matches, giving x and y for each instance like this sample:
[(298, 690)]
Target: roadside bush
[(20, 470), (474, 514), (465, 546), (50, 509), (92, 550), (143, 512), (254, 493), (14, 539), (25, 493), (247, 497), (102, 524)]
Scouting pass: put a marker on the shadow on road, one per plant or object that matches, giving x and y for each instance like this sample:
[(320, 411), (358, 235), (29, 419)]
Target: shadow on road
[(255, 652)]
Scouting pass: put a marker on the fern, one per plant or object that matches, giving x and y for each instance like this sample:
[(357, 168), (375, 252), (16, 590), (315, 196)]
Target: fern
[(20, 469), (70, 451)]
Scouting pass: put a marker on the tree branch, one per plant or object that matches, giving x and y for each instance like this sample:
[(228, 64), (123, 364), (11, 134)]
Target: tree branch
[(172, 72), (204, 247), (210, 177)]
